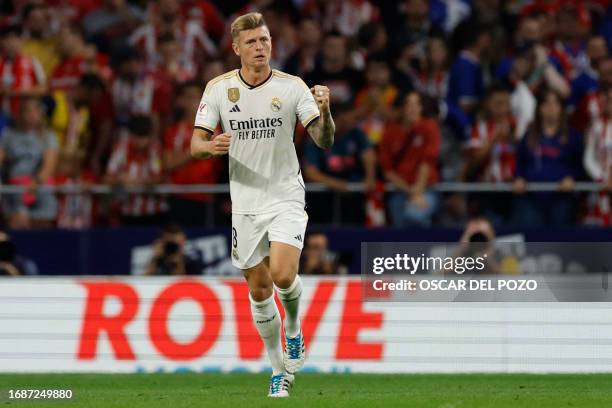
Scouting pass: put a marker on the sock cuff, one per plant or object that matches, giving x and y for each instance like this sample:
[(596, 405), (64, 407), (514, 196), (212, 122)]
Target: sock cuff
[(261, 303), (296, 286)]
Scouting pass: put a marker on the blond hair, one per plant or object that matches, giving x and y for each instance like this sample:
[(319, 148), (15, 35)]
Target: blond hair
[(246, 22)]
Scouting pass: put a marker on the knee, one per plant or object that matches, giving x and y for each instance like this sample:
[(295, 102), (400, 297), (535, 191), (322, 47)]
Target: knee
[(283, 279), (259, 293)]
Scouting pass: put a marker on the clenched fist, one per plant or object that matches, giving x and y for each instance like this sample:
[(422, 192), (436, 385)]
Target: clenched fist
[(220, 144), (321, 95)]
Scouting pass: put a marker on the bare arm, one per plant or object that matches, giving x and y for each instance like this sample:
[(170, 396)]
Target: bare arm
[(315, 175), (323, 129), (204, 148)]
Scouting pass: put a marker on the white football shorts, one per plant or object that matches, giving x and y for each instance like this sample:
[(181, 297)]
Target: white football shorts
[(252, 234)]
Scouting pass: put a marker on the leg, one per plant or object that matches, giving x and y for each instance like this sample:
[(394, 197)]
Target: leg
[(284, 261), (286, 233), (265, 313)]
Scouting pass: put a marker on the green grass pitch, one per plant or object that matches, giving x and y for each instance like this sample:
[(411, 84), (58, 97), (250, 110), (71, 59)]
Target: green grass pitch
[(317, 390)]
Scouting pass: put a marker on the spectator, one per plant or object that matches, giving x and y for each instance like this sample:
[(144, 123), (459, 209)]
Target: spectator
[(166, 18), (586, 79), (532, 63), (111, 23), (22, 75), (187, 208), (432, 78), (373, 40), (466, 83), (491, 155), (491, 149), (76, 211), (38, 40), (408, 156), (316, 257), (590, 107), (173, 256), (171, 67), (77, 59), (136, 162), (333, 70), (29, 152), (137, 92), (598, 165), (11, 263), (302, 61), (350, 159), (374, 102), (549, 152), (69, 112)]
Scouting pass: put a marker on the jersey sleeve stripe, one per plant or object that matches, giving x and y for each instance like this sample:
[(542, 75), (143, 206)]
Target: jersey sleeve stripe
[(311, 119), (205, 128)]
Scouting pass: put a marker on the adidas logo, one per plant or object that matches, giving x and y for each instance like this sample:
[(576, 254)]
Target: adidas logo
[(235, 109), (298, 237)]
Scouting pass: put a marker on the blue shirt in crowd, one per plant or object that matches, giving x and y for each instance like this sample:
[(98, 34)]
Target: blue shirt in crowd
[(550, 159), (466, 80), (343, 159)]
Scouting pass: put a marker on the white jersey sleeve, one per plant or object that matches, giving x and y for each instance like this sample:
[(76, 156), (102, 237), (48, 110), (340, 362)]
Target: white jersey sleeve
[(207, 116), (307, 109)]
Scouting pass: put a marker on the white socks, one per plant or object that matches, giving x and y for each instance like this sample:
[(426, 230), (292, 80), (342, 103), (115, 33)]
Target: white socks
[(290, 298), (267, 321)]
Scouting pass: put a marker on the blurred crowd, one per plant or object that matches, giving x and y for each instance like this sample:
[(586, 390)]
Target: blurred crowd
[(105, 91)]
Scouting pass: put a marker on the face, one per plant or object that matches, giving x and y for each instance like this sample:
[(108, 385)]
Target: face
[(189, 99), (310, 35), (378, 74), (597, 50), (437, 53), (11, 44), (498, 105), (530, 30), (316, 245), (334, 50), (417, 9), (169, 51), (413, 107), (31, 113), (550, 109), (254, 47), (168, 8), (37, 21)]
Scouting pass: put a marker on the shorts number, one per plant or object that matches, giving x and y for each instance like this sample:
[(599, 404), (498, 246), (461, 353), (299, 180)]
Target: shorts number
[(234, 238)]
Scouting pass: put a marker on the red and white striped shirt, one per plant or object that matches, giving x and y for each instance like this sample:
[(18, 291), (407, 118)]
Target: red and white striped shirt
[(192, 38), (139, 165), (21, 73), (501, 166)]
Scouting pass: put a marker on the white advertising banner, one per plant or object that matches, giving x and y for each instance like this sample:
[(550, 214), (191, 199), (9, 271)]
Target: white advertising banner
[(151, 324)]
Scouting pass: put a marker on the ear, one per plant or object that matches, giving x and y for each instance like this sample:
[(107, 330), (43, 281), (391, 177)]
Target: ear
[(236, 48)]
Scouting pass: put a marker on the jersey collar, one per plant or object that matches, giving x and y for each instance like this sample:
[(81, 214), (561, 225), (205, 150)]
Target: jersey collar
[(259, 85)]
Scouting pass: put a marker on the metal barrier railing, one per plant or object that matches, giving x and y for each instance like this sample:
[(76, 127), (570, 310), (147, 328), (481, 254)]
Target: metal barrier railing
[(445, 187)]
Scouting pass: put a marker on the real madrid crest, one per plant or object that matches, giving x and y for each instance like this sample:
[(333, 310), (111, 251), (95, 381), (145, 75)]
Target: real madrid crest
[(276, 104), (233, 94)]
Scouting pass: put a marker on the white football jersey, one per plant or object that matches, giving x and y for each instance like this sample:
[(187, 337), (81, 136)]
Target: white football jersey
[(264, 170)]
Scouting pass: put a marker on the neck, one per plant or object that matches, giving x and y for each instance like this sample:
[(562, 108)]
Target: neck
[(254, 76)]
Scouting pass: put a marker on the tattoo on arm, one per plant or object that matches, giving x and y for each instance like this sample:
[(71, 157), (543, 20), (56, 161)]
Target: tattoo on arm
[(322, 132)]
